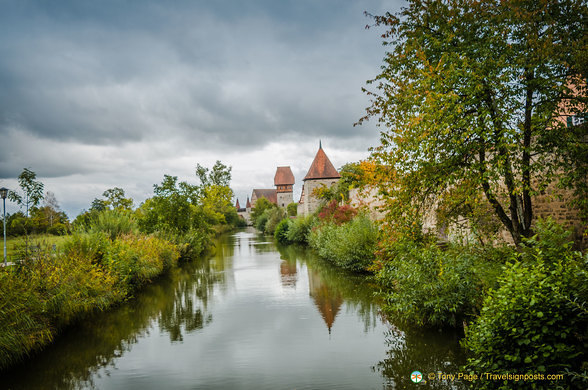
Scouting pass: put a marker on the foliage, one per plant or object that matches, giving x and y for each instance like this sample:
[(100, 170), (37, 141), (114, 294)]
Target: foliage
[(173, 208), (92, 273), (336, 214), (300, 228), (115, 199), (114, 223), (281, 232), (292, 209), (32, 191), (259, 216), (275, 215), (352, 176), (473, 94), (536, 321), (432, 286), (350, 245)]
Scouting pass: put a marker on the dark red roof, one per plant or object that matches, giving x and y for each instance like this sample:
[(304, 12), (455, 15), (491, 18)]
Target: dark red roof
[(321, 167), (283, 176), (269, 194), (237, 206), (248, 205)]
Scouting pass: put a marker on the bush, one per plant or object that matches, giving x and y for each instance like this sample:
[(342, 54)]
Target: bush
[(274, 217), (292, 209), (536, 321), (336, 214), (300, 228), (350, 245), (262, 220), (114, 223), (281, 233), (57, 229), (39, 297), (430, 286)]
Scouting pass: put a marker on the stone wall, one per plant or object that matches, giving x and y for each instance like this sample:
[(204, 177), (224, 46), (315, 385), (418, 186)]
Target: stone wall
[(285, 198), (312, 203)]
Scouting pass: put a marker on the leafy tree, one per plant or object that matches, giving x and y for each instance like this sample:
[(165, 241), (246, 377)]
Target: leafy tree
[(173, 208), (292, 209), (32, 190), (476, 94), (115, 197), (51, 209), (219, 175), (261, 205)]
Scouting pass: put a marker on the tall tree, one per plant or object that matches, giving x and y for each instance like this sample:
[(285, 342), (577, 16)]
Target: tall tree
[(474, 95), (32, 190), (115, 197), (51, 207)]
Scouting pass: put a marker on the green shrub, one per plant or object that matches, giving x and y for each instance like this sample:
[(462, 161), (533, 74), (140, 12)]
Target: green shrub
[(281, 233), (300, 228), (115, 223), (351, 245), (292, 209), (536, 321), (39, 297), (262, 220), (430, 286), (274, 217)]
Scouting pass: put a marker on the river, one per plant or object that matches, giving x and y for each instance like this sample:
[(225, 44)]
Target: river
[(254, 315)]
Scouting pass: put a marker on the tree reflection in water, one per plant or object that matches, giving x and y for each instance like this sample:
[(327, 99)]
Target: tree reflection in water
[(178, 302), (427, 351), (330, 287), (408, 349)]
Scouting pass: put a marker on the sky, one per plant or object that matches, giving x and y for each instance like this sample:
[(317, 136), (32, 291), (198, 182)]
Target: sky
[(103, 94)]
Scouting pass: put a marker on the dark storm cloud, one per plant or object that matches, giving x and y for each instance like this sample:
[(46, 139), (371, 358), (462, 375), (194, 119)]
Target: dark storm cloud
[(129, 87)]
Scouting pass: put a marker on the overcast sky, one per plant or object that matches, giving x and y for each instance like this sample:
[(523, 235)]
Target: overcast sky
[(101, 94)]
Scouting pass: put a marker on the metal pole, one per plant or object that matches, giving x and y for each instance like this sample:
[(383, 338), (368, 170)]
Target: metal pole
[(4, 220)]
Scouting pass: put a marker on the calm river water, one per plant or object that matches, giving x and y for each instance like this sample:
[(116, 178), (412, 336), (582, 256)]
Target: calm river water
[(252, 316)]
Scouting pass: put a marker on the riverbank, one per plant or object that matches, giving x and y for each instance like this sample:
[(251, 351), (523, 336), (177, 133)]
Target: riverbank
[(88, 273), (522, 309)]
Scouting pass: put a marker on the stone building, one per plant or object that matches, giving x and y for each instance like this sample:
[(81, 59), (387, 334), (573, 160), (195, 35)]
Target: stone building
[(321, 173), (282, 195), (284, 182), (268, 193)]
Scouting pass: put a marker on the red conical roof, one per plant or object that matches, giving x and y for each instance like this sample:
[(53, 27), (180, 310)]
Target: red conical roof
[(321, 167), (237, 206), (248, 205)]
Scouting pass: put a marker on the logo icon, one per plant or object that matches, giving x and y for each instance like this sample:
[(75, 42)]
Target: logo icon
[(416, 377)]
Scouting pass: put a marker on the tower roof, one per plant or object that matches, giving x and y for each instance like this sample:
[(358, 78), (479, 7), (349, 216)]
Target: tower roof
[(248, 205), (269, 194), (283, 176), (321, 167), (237, 206)]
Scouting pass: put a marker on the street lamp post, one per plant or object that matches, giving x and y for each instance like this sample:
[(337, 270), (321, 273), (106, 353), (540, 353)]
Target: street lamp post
[(3, 193)]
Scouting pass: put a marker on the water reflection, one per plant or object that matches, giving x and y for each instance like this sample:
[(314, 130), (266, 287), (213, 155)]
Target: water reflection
[(330, 287), (427, 351), (177, 302), (249, 315)]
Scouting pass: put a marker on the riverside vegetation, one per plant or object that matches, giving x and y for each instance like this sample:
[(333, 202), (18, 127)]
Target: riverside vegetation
[(479, 104), (113, 251)]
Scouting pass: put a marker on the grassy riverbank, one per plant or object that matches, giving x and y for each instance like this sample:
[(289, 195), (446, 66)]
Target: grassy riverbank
[(16, 245), (89, 272)]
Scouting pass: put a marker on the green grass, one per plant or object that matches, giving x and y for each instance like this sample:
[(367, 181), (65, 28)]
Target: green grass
[(15, 244)]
